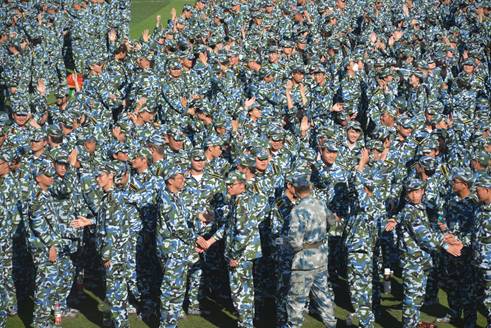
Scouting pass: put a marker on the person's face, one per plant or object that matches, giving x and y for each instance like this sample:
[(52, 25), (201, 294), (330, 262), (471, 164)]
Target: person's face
[(103, 179), (175, 72), (20, 120), (262, 165), (288, 51), (138, 162), (38, 145), (235, 189), (319, 77), (273, 57), (198, 166), (405, 132), (175, 145), (484, 194), (216, 151), (353, 135), (268, 78), (416, 196), (458, 185), (414, 81), (329, 157), (144, 63), (298, 77), (90, 146), (4, 168), (255, 113), (178, 181), (276, 145), (376, 154), (121, 156), (96, 69), (341, 4), (469, 69), (387, 119), (60, 169), (188, 63), (45, 180), (147, 116)]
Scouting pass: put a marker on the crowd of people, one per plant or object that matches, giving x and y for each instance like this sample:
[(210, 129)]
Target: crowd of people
[(250, 152)]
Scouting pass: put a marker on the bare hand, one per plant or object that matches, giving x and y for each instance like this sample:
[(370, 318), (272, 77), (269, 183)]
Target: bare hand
[(249, 102), (107, 264), (80, 222), (365, 157), (289, 86), (173, 14), (454, 250), (111, 35), (235, 125), (391, 224), (41, 87), (338, 107), (146, 35), (53, 254), (304, 124), (233, 263)]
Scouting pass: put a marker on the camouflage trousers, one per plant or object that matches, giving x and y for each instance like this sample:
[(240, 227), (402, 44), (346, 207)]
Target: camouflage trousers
[(282, 265), (242, 291), (486, 282), (360, 277), (194, 288), (66, 277), (461, 288), (7, 276), (117, 293), (434, 278), (173, 289), (414, 279), (47, 281), (3, 299), (314, 283)]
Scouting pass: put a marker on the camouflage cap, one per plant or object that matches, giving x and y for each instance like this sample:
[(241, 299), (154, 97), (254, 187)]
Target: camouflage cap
[(156, 140), (376, 145), (213, 140), (38, 135), (301, 181), (121, 148), (277, 135), (427, 162), (141, 152), (177, 134), (469, 62), (463, 174), (355, 125), (405, 122), (246, 161), (482, 157), (60, 157), (172, 171), (484, 181), (21, 109), (262, 154), (234, 177), (198, 154), (330, 145), (43, 168), (414, 184), (107, 167)]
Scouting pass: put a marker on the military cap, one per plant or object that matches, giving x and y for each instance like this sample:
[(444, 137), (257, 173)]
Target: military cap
[(54, 131), (156, 140), (376, 144), (177, 134), (174, 64), (213, 140), (277, 135), (147, 109), (427, 162), (21, 109), (262, 154), (142, 152), (301, 181), (266, 71), (384, 72), (405, 122), (88, 135), (389, 110), (38, 135), (107, 167), (484, 181), (67, 121), (469, 62), (434, 107), (246, 161), (234, 177), (463, 174), (430, 144), (317, 68), (187, 7), (43, 168), (298, 69), (120, 168), (61, 157), (414, 184), (121, 148), (287, 44), (482, 157), (355, 125), (198, 154), (273, 49), (330, 145)]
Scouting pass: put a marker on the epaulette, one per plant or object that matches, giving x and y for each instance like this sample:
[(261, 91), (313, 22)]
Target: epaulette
[(276, 169), (38, 194), (444, 170), (133, 187), (279, 202), (390, 162), (158, 172), (255, 188)]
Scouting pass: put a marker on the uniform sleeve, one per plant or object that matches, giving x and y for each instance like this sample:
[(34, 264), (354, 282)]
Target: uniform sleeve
[(40, 226), (297, 227), (423, 235)]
